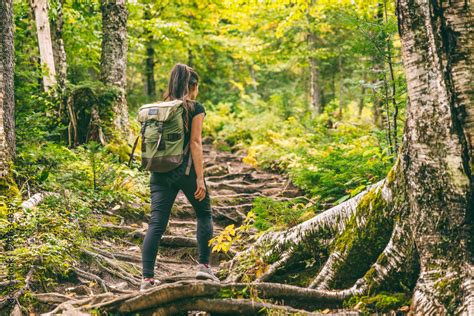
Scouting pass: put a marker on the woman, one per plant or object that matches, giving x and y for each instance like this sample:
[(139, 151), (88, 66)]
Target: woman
[(183, 85)]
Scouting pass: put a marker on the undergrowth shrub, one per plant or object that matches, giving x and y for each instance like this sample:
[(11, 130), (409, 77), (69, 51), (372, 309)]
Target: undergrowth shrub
[(330, 160)]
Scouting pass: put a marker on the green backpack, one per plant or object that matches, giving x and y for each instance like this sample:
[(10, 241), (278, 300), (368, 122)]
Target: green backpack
[(162, 136)]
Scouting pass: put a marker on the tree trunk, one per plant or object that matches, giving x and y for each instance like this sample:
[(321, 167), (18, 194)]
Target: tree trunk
[(7, 120), (150, 59), (341, 84), (393, 87), (190, 57), (40, 8), (114, 60), (437, 154), (254, 78), (59, 53), (362, 95), (314, 78), (314, 89)]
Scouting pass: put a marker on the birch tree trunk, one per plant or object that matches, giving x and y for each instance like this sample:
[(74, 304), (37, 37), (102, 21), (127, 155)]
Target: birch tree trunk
[(7, 120), (437, 155), (40, 8), (314, 88), (314, 78), (59, 53), (114, 59)]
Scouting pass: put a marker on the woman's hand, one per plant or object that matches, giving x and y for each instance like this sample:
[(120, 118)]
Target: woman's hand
[(200, 193)]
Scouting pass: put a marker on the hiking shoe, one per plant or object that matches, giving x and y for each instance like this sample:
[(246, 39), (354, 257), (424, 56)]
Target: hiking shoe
[(205, 273), (146, 285)]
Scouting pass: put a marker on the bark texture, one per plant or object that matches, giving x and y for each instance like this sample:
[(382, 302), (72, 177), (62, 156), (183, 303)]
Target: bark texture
[(150, 59), (59, 52), (437, 48), (7, 120), (40, 8), (314, 88), (114, 57), (314, 79)]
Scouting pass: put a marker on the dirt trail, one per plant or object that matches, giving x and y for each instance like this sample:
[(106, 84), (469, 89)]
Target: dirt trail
[(115, 260)]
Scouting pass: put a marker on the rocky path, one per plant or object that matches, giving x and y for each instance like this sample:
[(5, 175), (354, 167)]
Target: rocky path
[(115, 259)]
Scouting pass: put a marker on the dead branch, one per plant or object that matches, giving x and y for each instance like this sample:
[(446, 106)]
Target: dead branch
[(37, 199)]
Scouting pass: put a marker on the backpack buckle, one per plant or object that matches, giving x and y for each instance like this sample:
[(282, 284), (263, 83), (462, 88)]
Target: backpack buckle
[(159, 124)]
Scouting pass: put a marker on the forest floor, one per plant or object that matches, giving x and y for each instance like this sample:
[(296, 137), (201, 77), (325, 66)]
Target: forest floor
[(110, 270)]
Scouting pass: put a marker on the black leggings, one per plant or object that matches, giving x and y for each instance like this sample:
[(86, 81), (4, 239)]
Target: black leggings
[(164, 188)]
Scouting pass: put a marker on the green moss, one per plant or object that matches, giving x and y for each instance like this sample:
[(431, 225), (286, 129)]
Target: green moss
[(363, 245), (223, 146), (120, 149), (8, 187), (450, 289), (234, 293), (391, 175), (380, 303), (102, 231)]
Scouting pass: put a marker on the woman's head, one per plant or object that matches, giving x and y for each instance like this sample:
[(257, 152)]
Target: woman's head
[(183, 83)]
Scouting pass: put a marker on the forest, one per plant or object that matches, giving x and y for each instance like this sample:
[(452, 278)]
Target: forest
[(338, 153)]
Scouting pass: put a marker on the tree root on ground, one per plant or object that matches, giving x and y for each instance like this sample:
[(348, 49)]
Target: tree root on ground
[(92, 277), (332, 222), (75, 306), (227, 306), (17, 309), (174, 297), (113, 268)]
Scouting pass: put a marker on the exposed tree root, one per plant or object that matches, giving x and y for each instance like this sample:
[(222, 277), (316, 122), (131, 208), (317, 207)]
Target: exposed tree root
[(227, 306), (332, 221), (179, 291), (247, 188), (92, 277), (4, 303), (328, 272), (274, 267), (74, 306), (127, 257), (52, 298), (467, 306), (245, 175)]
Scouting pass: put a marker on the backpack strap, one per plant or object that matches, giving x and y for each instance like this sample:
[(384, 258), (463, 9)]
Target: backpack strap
[(135, 143), (133, 150)]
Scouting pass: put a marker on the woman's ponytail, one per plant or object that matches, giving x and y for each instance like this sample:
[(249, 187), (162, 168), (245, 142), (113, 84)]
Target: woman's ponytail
[(183, 80)]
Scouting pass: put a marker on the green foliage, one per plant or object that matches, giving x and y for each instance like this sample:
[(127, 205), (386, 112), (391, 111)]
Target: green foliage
[(278, 215), (381, 303), (253, 59), (48, 236), (90, 181), (331, 164)]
